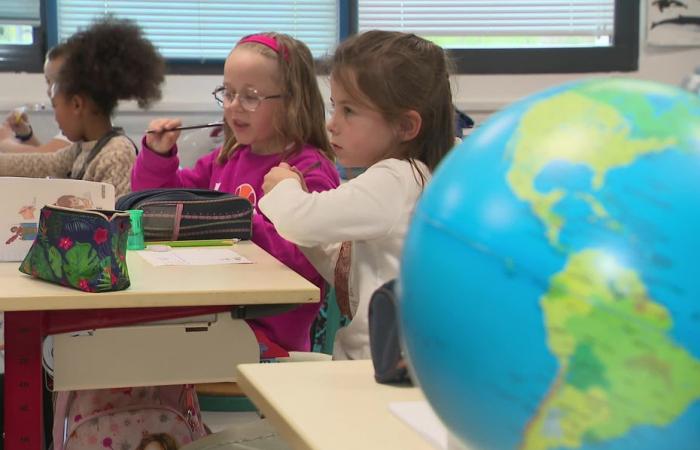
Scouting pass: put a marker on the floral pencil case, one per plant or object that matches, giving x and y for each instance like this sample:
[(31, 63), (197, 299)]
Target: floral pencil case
[(84, 249)]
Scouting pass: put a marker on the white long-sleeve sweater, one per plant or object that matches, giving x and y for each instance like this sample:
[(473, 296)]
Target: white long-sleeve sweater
[(373, 211)]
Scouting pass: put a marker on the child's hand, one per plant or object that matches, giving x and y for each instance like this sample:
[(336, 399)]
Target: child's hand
[(6, 132), (162, 140), (279, 173), (18, 121)]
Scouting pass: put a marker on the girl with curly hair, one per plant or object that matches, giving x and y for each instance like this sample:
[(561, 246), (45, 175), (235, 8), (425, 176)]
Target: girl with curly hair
[(107, 62)]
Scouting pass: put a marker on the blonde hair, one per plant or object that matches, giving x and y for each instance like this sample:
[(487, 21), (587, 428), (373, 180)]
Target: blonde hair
[(393, 72), (303, 120)]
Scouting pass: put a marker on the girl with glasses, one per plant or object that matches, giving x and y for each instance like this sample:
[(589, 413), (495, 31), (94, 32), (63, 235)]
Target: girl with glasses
[(273, 112), (89, 84)]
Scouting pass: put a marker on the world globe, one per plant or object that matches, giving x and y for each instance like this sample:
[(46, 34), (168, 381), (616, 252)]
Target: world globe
[(550, 282)]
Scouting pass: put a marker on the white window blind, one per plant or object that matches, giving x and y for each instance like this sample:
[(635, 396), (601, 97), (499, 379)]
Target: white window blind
[(495, 23), (195, 30), (20, 12)]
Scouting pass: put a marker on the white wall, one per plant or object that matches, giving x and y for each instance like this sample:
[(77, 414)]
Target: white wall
[(479, 95)]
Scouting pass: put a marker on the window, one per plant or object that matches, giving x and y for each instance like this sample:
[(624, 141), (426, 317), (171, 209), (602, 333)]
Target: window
[(482, 36), (202, 33), (515, 36), (21, 43)]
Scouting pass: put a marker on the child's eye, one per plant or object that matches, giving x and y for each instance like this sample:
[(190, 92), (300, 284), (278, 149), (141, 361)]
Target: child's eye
[(249, 97), (347, 110)]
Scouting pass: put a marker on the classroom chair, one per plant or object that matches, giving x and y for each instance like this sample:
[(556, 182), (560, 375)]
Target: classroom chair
[(227, 397)]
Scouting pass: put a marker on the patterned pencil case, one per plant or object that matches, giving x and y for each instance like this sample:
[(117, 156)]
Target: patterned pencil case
[(84, 249), (172, 214)]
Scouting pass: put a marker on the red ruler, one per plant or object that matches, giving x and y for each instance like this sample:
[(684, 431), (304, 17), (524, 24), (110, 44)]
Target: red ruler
[(23, 381)]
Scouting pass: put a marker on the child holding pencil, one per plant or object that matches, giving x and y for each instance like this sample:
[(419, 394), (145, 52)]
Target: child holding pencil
[(274, 112)]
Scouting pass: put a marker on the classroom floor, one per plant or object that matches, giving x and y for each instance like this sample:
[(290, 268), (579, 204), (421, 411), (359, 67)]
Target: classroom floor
[(218, 421), (238, 430)]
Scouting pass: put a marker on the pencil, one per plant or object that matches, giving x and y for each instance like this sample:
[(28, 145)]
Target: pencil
[(196, 243), (18, 114), (189, 127)]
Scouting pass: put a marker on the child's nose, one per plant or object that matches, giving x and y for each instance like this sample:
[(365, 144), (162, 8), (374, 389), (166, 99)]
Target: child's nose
[(235, 103), (331, 126)]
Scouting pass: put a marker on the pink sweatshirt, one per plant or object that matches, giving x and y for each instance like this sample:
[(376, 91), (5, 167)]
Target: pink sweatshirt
[(243, 175)]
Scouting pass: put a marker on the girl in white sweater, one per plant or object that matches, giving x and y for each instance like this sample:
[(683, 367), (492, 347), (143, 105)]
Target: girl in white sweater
[(393, 115)]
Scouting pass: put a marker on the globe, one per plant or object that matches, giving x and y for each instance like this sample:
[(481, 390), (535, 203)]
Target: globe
[(550, 281)]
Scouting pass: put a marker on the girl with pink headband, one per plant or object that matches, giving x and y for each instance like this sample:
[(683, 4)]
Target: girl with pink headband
[(273, 113), (268, 41)]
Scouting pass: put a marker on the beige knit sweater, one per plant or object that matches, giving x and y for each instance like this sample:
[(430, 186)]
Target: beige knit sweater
[(112, 165)]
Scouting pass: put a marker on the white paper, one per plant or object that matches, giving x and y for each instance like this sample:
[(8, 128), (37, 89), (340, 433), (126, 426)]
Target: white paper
[(23, 198), (199, 256), (420, 416)]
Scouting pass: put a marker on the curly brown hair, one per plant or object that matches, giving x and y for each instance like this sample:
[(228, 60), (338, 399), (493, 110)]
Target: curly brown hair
[(57, 51), (111, 61)]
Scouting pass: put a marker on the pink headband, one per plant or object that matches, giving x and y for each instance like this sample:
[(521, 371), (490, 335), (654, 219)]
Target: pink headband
[(268, 42)]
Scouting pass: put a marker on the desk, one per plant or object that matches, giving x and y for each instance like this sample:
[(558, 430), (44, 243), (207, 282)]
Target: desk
[(335, 404), (35, 308)]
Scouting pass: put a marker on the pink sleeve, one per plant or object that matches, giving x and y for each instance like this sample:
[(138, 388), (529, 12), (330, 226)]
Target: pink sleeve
[(265, 235), (153, 170)]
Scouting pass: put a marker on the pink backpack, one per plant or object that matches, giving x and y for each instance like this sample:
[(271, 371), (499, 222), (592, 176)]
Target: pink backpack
[(113, 419)]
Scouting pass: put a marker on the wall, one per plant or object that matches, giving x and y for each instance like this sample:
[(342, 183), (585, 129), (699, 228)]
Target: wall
[(482, 94)]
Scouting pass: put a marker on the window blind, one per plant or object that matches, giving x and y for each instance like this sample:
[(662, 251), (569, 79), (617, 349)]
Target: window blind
[(205, 30), (533, 22), (20, 12)]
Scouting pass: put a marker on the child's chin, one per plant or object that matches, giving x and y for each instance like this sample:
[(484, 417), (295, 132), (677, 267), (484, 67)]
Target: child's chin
[(241, 140)]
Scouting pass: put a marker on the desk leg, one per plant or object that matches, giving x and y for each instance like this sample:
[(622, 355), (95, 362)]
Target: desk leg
[(23, 382)]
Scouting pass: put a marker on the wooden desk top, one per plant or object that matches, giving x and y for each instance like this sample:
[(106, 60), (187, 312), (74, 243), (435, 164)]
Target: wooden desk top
[(266, 281), (334, 404)]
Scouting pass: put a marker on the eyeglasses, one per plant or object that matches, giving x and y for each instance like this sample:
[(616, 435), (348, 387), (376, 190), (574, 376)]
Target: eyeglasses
[(249, 98)]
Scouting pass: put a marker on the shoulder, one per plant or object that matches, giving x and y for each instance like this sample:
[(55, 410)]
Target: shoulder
[(402, 168), (121, 144), (308, 153), (74, 147), (69, 152), (61, 137), (118, 148), (408, 176), (312, 160)]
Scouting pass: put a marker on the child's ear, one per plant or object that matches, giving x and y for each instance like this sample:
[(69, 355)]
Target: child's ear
[(77, 103), (409, 125)]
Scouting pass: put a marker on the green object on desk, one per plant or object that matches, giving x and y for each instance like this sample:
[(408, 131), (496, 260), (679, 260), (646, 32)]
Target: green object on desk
[(135, 238), (196, 243)]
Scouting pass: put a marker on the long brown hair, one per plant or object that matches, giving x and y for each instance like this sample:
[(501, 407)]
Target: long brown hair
[(304, 117), (397, 72)]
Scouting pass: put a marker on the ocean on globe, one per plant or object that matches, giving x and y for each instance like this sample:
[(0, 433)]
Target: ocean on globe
[(550, 283)]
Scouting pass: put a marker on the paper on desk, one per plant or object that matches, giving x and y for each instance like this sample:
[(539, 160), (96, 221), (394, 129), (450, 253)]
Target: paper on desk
[(199, 256), (420, 416)]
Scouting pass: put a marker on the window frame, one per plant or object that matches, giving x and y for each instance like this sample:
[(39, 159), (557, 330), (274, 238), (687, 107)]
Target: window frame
[(622, 56), (27, 58)]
